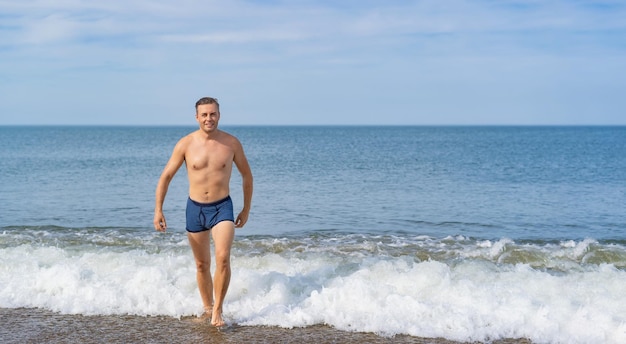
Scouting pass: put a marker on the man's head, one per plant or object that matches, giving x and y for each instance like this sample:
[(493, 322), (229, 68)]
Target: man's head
[(207, 100), (208, 114)]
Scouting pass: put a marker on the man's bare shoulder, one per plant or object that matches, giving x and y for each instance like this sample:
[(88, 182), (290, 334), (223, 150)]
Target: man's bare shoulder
[(186, 141), (196, 136), (229, 139)]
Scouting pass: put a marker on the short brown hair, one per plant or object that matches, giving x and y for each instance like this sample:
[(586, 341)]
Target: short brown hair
[(207, 100)]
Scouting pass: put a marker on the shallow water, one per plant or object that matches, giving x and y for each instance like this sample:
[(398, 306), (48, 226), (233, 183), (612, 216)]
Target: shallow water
[(38, 326)]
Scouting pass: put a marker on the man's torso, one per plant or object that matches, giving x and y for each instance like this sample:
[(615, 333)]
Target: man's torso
[(209, 166)]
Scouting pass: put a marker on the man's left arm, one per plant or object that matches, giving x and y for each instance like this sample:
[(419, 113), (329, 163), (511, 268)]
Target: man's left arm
[(247, 182)]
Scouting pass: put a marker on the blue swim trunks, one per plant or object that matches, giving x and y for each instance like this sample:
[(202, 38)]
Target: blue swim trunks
[(204, 216)]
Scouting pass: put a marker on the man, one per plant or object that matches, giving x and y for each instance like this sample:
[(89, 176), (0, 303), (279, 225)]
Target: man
[(209, 154)]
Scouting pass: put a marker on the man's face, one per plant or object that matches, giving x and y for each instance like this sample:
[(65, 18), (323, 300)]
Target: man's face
[(208, 117)]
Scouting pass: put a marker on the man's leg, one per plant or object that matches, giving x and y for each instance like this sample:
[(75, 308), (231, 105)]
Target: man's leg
[(201, 247), (223, 236)]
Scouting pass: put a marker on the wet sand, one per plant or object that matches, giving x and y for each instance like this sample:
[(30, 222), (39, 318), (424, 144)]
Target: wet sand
[(40, 326)]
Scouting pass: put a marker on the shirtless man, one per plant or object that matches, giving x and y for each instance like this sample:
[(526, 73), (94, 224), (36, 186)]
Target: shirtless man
[(208, 154)]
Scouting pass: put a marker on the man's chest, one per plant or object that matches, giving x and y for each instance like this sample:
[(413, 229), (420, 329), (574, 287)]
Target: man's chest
[(213, 157)]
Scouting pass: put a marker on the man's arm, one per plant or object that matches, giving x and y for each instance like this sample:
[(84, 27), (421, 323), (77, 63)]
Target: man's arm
[(247, 182), (172, 166)]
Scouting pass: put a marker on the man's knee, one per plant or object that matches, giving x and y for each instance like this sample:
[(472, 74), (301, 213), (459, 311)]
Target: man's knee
[(203, 266), (222, 260)]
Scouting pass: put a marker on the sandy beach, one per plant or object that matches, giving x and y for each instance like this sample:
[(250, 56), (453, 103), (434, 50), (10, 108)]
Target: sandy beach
[(40, 326)]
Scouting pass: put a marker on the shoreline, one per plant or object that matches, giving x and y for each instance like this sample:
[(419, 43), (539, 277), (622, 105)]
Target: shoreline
[(28, 325)]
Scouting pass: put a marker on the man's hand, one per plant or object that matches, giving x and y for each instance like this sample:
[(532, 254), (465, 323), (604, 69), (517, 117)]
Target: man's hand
[(241, 220), (159, 222)]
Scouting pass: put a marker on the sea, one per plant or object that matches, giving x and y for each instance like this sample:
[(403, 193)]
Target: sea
[(432, 233)]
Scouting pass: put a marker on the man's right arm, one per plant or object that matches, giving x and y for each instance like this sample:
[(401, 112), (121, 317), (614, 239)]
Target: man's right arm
[(172, 166)]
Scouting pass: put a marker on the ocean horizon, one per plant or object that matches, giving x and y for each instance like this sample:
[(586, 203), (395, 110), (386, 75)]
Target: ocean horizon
[(459, 233)]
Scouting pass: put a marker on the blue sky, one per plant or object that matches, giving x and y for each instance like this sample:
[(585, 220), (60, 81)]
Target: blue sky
[(430, 62)]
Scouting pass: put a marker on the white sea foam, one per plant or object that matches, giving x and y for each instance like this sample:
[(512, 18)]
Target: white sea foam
[(473, 295), (470, 301)]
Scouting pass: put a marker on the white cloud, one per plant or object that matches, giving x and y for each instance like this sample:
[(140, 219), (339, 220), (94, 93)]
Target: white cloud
[(234, 37)]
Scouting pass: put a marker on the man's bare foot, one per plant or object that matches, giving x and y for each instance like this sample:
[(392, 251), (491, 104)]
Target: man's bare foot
[(217, 319), (206, 315)]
